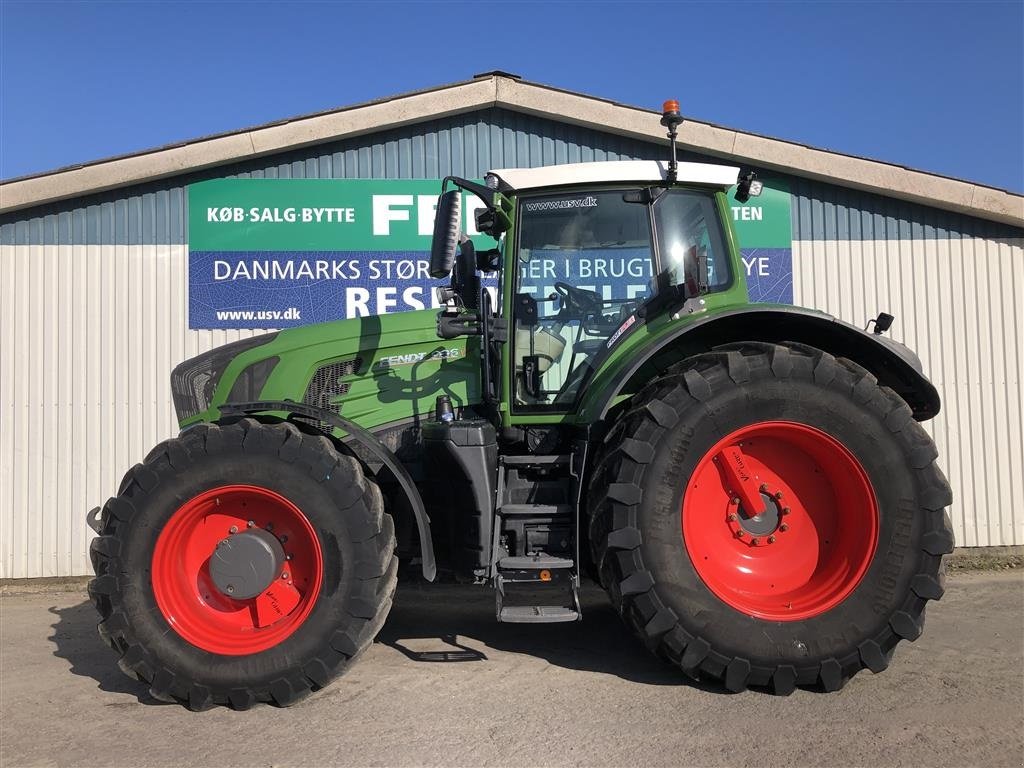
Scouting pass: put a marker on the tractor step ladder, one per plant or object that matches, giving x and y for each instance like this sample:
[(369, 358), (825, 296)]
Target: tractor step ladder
[(536, 580), (545, 589)]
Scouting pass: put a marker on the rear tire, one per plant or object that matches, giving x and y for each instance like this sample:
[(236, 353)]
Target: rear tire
[(704, 617), (342, 563)]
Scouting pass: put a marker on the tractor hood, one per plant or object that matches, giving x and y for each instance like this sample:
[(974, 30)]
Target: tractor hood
[(374, 370)]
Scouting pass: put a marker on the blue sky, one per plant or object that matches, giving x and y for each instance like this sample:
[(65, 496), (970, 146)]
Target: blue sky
[(936, 86)]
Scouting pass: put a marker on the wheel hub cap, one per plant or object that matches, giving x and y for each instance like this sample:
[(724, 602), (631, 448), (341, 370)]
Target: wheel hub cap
[(245, 564), (764, 523)]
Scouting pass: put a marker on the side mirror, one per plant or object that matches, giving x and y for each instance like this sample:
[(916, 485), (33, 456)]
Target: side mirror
[(446, 233)]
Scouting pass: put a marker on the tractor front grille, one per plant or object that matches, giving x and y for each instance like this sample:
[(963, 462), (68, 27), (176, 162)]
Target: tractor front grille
[(194, 381), (326, 386)]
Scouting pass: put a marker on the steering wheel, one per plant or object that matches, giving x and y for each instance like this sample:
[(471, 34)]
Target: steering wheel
[(577, 303)]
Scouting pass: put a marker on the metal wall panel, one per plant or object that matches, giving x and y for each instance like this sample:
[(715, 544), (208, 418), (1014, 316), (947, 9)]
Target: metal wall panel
[(93, 316), (954, 284), (825, 212), (465, 145), (959, 303), (88, 337)]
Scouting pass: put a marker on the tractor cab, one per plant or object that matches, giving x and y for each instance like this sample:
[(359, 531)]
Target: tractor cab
[(588, 261), (590, 251)]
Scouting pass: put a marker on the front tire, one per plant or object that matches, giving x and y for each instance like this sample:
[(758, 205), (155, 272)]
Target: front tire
[(857, 532), (324, 549)]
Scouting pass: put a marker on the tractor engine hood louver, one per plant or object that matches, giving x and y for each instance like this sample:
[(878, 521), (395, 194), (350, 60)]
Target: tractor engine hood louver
[(327, 386)]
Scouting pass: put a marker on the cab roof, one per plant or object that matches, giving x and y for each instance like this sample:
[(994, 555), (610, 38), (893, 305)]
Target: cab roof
[(645, 171)]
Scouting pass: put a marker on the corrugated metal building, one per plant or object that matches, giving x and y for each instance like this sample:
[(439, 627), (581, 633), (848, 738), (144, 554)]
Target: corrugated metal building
[(94, 263)]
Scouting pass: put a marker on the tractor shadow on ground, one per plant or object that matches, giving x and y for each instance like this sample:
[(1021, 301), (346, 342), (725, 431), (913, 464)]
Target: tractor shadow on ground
[(442, 622), (433, 623), (77, 642)]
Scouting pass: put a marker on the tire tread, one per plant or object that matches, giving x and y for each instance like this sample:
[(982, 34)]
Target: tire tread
[(616, 488), (376, 573)]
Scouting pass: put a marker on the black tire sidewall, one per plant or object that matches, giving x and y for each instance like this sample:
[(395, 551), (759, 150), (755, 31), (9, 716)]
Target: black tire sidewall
[(863, 432), (320, 502)]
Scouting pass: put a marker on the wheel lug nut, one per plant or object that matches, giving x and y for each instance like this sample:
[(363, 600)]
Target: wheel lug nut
[(739, 534), (785, 510), (755, 541), (250, 524), (284, 575), (783, 527), (270, 526), (233, 529), (230, 588), (771, 539), (764, 488), (778, 494), (734, 500), (733, 517)]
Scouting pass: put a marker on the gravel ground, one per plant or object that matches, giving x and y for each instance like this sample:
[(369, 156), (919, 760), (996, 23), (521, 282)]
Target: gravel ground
[(445, 685)]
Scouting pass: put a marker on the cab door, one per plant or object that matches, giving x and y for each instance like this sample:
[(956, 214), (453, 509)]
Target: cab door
[(582, 262)]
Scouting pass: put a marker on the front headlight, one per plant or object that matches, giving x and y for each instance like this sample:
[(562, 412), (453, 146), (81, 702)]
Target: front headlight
[(194, 381)]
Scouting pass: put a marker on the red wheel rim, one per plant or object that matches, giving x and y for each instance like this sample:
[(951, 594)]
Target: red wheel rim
[(816, 534), (184, 589)]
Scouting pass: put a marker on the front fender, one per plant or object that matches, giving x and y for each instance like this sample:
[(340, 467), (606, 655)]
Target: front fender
[(371, 443), (892, 363)]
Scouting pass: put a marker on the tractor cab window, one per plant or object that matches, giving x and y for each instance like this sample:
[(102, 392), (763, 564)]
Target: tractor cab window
[(584, 267), (690, 241)]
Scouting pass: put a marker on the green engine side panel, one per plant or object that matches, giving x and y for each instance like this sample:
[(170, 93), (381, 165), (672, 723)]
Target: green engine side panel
[(401, 367)]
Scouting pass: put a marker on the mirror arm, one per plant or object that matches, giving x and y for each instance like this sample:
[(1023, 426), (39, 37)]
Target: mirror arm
[(483, 192)]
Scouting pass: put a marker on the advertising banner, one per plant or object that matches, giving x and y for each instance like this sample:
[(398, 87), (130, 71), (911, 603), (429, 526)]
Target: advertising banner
[(764, 229), (276, 253)]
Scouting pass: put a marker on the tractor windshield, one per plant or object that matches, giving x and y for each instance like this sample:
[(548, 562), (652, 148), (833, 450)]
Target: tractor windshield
[(585, 264), (587, 261)]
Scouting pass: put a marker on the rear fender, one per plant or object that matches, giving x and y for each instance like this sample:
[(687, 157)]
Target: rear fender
[(892, 363)]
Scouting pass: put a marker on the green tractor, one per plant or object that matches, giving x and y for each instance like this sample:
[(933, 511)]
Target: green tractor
[(749, 482)]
